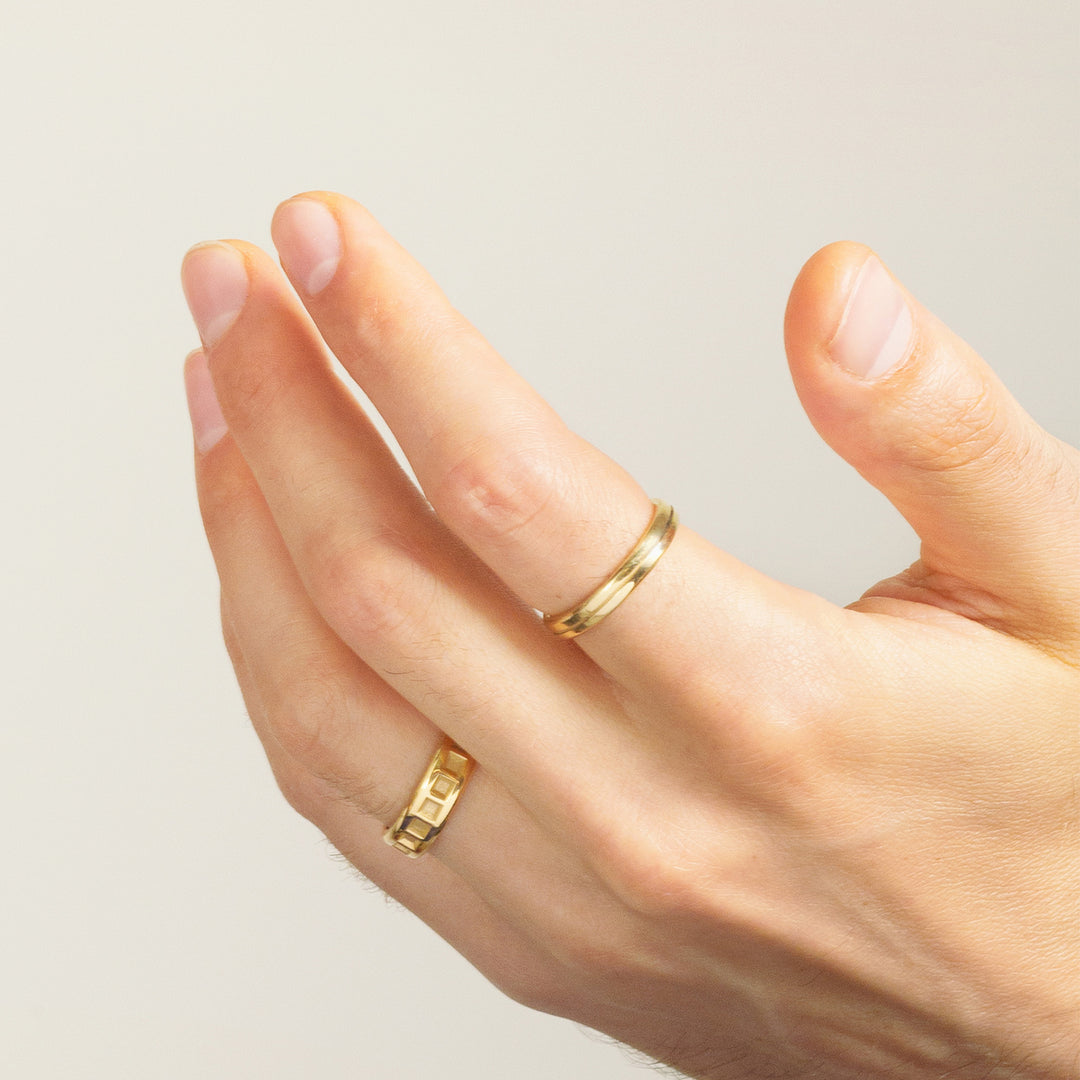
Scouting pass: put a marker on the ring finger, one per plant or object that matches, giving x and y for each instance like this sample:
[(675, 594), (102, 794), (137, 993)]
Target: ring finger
[(398, 590), (324, 715), (430, 888)]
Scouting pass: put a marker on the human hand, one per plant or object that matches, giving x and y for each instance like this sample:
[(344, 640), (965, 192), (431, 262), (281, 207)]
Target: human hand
[(742, 829)]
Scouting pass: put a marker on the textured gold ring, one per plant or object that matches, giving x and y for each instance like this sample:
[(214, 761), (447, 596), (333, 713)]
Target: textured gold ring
[(424, 818), (627, 576)]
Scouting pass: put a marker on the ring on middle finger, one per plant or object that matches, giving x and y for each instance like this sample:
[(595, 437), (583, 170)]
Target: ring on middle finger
[(603, 600)]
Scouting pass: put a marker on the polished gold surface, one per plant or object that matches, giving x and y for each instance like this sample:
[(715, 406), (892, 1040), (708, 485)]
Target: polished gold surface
[(423, 819), (628, 575)]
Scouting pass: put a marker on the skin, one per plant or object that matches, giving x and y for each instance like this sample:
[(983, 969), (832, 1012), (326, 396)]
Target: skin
[(744, 830)]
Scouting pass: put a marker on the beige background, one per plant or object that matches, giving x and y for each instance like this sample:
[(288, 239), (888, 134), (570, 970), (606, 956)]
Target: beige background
[(620, 194)]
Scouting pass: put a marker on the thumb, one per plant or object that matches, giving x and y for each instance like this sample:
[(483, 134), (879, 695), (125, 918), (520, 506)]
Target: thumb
[(994, 498)]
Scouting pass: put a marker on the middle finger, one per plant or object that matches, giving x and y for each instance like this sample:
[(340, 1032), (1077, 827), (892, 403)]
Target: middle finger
[(548, 512), (407, 598)]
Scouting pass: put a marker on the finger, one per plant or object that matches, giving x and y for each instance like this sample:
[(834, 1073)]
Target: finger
[(428, 887), (321, 705), (495, 886), (993, 497), (313, 701), (398, 590), (511, 958), (550, 514)]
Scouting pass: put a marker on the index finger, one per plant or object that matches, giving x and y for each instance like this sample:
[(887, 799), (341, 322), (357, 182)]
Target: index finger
[(548, 512)]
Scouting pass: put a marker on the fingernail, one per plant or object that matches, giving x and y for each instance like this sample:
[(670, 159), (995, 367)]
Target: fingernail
[(308, 240), (875, 329), (216, 285), (207, 423)]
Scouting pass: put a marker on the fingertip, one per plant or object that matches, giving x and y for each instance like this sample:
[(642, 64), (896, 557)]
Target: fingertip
[(307, 236), (338, 205), (207, 422), (283, 210), (819, 296), (923, 418), (314, 195), (193, 363), (214, 277), (202, 249)]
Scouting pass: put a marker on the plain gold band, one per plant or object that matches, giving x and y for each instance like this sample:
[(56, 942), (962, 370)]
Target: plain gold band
[(629, 574), (423, 819)]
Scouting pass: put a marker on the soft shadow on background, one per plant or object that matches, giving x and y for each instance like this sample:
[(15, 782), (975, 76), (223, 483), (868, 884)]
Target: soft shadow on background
[(619, 195)]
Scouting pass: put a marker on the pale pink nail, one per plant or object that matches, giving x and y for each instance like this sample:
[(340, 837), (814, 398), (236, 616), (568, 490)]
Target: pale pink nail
[(308, 240), (207, 423), (216, 286), (875, 330)]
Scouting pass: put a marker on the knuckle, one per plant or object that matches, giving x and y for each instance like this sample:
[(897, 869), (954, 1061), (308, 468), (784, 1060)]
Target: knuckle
[(650, 876), (973, 430), (228, 495), (602, 960), (368, 588), (307, 713), (388, 319), (494, 496), (305, 793), (381, 316), (543, 993), (766, 748), (312, 720), (251, 388), (655, 889), (683, 877)]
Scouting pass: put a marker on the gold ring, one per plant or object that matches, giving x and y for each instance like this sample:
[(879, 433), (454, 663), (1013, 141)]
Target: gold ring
[(424, 818), (631, 571)]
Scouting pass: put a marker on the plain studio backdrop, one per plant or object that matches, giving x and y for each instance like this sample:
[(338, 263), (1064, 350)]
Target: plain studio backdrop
[(619, 195)]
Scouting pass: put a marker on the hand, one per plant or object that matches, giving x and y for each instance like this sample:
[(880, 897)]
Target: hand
[(746, 831)]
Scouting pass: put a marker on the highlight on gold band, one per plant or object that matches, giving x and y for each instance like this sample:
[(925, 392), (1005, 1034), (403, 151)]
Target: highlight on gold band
[(628, 575), (424, 818)]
